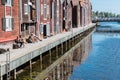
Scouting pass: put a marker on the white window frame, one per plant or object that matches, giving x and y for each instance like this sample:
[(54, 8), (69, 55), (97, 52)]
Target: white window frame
[(45, 12), (41, 28), (26, 9), (8, 3), (8, 23), (45, 9), (48, 8), (42, 9)]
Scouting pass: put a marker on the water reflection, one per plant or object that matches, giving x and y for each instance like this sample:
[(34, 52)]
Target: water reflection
[(59, 66), (103, 63), (109, 27), (62, 68)]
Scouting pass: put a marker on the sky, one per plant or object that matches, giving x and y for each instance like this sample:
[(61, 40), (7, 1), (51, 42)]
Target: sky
[(106, 5)]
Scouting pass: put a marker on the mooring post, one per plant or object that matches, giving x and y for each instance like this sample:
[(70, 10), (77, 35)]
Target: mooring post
[(69, 43), (30, 68), (1, 78), (53, 74), (58, 71), (15, 74), (50, 56), (62, 70), (74, 40), (41, 61), (66, 45), (56, 51), (66, 65), (62, 48)]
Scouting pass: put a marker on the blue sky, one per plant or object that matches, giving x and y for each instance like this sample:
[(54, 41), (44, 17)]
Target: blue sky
[(106, 5)]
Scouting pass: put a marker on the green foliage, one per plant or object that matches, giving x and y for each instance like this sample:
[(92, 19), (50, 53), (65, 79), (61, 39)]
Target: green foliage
[(98, 14)]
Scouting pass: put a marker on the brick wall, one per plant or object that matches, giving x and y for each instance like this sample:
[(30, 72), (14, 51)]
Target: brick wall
[(42, 12), (9, 35)]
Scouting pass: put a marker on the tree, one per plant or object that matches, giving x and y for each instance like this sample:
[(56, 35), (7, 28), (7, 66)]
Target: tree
[(103, 14)]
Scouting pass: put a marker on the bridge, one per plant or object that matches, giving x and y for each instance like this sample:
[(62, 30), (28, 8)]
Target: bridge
[(105, 19)]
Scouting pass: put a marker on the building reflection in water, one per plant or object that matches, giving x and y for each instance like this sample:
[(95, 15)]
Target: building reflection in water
[(63, 69), (59, 66)]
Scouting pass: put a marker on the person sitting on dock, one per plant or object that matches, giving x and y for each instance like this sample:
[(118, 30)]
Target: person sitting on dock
[(19, 41), (32, 38)]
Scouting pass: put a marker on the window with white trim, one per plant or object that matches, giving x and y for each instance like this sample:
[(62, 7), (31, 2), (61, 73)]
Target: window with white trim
[(8, 23), (48, 9), (42, 9), (41, 28), (45, 1), (8, 2), (45, 12), (26, 10), (45, 9)]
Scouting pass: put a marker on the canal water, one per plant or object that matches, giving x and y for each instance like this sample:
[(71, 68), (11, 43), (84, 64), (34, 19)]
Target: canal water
[(103, 62)]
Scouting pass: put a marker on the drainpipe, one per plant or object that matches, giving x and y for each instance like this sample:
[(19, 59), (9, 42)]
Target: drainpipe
[(29, 4), (61, 16), (38, 16), (20, 16)]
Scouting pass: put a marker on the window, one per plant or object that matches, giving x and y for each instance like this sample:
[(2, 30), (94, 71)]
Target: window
[(26, 10), (8, 23), (7, 2), (45, 1), (48, 9), (45, 9), (45, 12), (51, 9), (41, 8), (41, 29)]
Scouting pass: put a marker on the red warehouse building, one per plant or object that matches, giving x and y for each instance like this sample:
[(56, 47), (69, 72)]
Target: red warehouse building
[(28, 17), (9, 20), (41, 17), (45, 18)]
